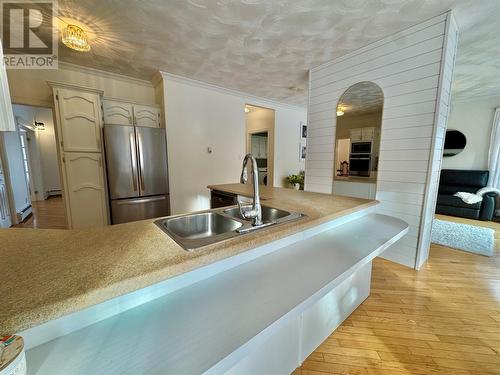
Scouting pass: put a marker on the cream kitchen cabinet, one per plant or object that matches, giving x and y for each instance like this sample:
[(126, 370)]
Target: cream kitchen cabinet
[(117, 112), (87, 196), (367, 134), (363, 134), (147, 116), (80, 120), (355, 135), (79, 134)]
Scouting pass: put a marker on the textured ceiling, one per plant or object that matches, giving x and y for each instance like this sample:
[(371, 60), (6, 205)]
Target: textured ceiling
[(265, 47), (363, 97)]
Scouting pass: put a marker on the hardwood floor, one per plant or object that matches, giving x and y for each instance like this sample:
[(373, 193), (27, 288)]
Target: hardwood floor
[(47, 214), (443, 319)]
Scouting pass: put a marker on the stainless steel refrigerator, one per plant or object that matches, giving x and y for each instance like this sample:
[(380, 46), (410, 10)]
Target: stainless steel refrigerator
[(136, 161)]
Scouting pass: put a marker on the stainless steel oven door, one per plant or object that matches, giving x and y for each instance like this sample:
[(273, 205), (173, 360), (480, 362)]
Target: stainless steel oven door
[(361, 148), (360, 165)]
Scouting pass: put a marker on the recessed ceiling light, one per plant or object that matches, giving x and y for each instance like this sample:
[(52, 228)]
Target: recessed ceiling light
[(75, 38), (247, 109)]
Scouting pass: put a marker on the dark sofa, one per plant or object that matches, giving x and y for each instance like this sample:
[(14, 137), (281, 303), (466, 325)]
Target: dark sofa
[(453, 181)]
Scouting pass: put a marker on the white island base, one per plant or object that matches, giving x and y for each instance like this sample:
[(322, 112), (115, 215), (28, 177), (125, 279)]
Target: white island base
[(264, 316)]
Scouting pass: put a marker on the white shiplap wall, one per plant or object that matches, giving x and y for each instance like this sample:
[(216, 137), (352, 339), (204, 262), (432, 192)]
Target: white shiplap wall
[(414, 69)]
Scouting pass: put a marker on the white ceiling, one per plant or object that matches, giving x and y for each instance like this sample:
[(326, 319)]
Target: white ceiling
[(265, 47)]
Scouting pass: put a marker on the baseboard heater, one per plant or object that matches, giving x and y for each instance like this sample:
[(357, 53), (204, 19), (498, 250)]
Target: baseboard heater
[(24, 213)]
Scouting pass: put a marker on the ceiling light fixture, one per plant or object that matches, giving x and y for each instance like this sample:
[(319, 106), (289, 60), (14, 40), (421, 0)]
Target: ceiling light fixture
[(340, 112), (75, 38), (247, 109)]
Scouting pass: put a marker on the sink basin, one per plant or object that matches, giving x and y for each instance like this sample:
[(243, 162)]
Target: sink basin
[(196, 230), (269, 214)]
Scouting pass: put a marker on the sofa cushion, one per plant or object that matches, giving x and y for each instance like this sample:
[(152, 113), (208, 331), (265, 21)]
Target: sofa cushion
[(450, 200), (452, 189), (473, 179)]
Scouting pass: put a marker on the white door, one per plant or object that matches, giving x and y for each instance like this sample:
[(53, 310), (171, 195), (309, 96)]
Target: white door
[(80, 120), (5, 221), (84, 173), (147, 116), (7, 122), (118, 113)]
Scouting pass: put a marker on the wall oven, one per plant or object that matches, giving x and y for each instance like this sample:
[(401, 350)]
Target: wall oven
[(361, 147), (360, 165)]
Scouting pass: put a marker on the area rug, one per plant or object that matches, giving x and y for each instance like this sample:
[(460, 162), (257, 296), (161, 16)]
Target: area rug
[(477, 240)]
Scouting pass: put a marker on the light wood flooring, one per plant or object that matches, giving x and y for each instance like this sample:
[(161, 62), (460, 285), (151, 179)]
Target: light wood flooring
[(443, 319), (47, 214)]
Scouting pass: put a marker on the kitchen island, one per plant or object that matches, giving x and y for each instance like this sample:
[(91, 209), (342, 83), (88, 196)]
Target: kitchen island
[(217, 302)]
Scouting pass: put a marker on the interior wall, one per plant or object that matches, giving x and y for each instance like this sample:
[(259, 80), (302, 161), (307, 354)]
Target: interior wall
[(474, 119), (414, 69), (30, 86), (199, 116), (47, 148), (287, 133)]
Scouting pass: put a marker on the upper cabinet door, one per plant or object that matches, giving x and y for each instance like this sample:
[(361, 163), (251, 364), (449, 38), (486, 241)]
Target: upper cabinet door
[(118, 113), (147, 116), (7, 122), (80, 120)]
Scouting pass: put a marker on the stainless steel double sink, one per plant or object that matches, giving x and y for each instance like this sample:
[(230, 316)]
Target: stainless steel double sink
[(195, 230)]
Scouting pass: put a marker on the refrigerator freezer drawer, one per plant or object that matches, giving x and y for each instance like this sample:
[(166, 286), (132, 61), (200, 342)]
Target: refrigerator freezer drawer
[(126, 210)]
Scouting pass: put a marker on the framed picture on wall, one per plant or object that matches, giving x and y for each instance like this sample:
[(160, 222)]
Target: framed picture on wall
[(303, 131), (302, 151)]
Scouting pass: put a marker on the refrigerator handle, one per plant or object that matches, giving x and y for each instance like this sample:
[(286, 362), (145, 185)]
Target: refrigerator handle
[(141, 161), (133, 160)]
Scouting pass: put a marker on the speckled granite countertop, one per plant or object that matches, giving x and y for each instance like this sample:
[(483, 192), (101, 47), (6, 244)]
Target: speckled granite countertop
[(50, 273)]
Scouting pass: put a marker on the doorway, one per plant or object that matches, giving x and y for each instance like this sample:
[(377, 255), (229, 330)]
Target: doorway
[(260, 124), (32, 172)]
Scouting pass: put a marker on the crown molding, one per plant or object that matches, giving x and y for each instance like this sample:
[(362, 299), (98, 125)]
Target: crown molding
[(55, 84), (254, 100), (104, 74)]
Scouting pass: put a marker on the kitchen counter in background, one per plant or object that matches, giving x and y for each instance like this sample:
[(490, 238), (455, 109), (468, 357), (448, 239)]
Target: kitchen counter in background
[(47, 274), (365, 180)]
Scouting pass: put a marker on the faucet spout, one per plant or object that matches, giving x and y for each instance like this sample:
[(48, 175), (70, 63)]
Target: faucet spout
[(255, 213)]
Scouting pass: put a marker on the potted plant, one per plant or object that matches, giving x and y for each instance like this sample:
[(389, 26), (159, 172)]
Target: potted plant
[(296, 181)]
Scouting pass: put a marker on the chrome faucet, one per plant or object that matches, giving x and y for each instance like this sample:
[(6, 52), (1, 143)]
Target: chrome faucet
[(254, 213)]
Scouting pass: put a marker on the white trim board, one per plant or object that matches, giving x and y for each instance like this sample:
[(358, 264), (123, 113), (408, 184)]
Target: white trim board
[(269, 103)]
